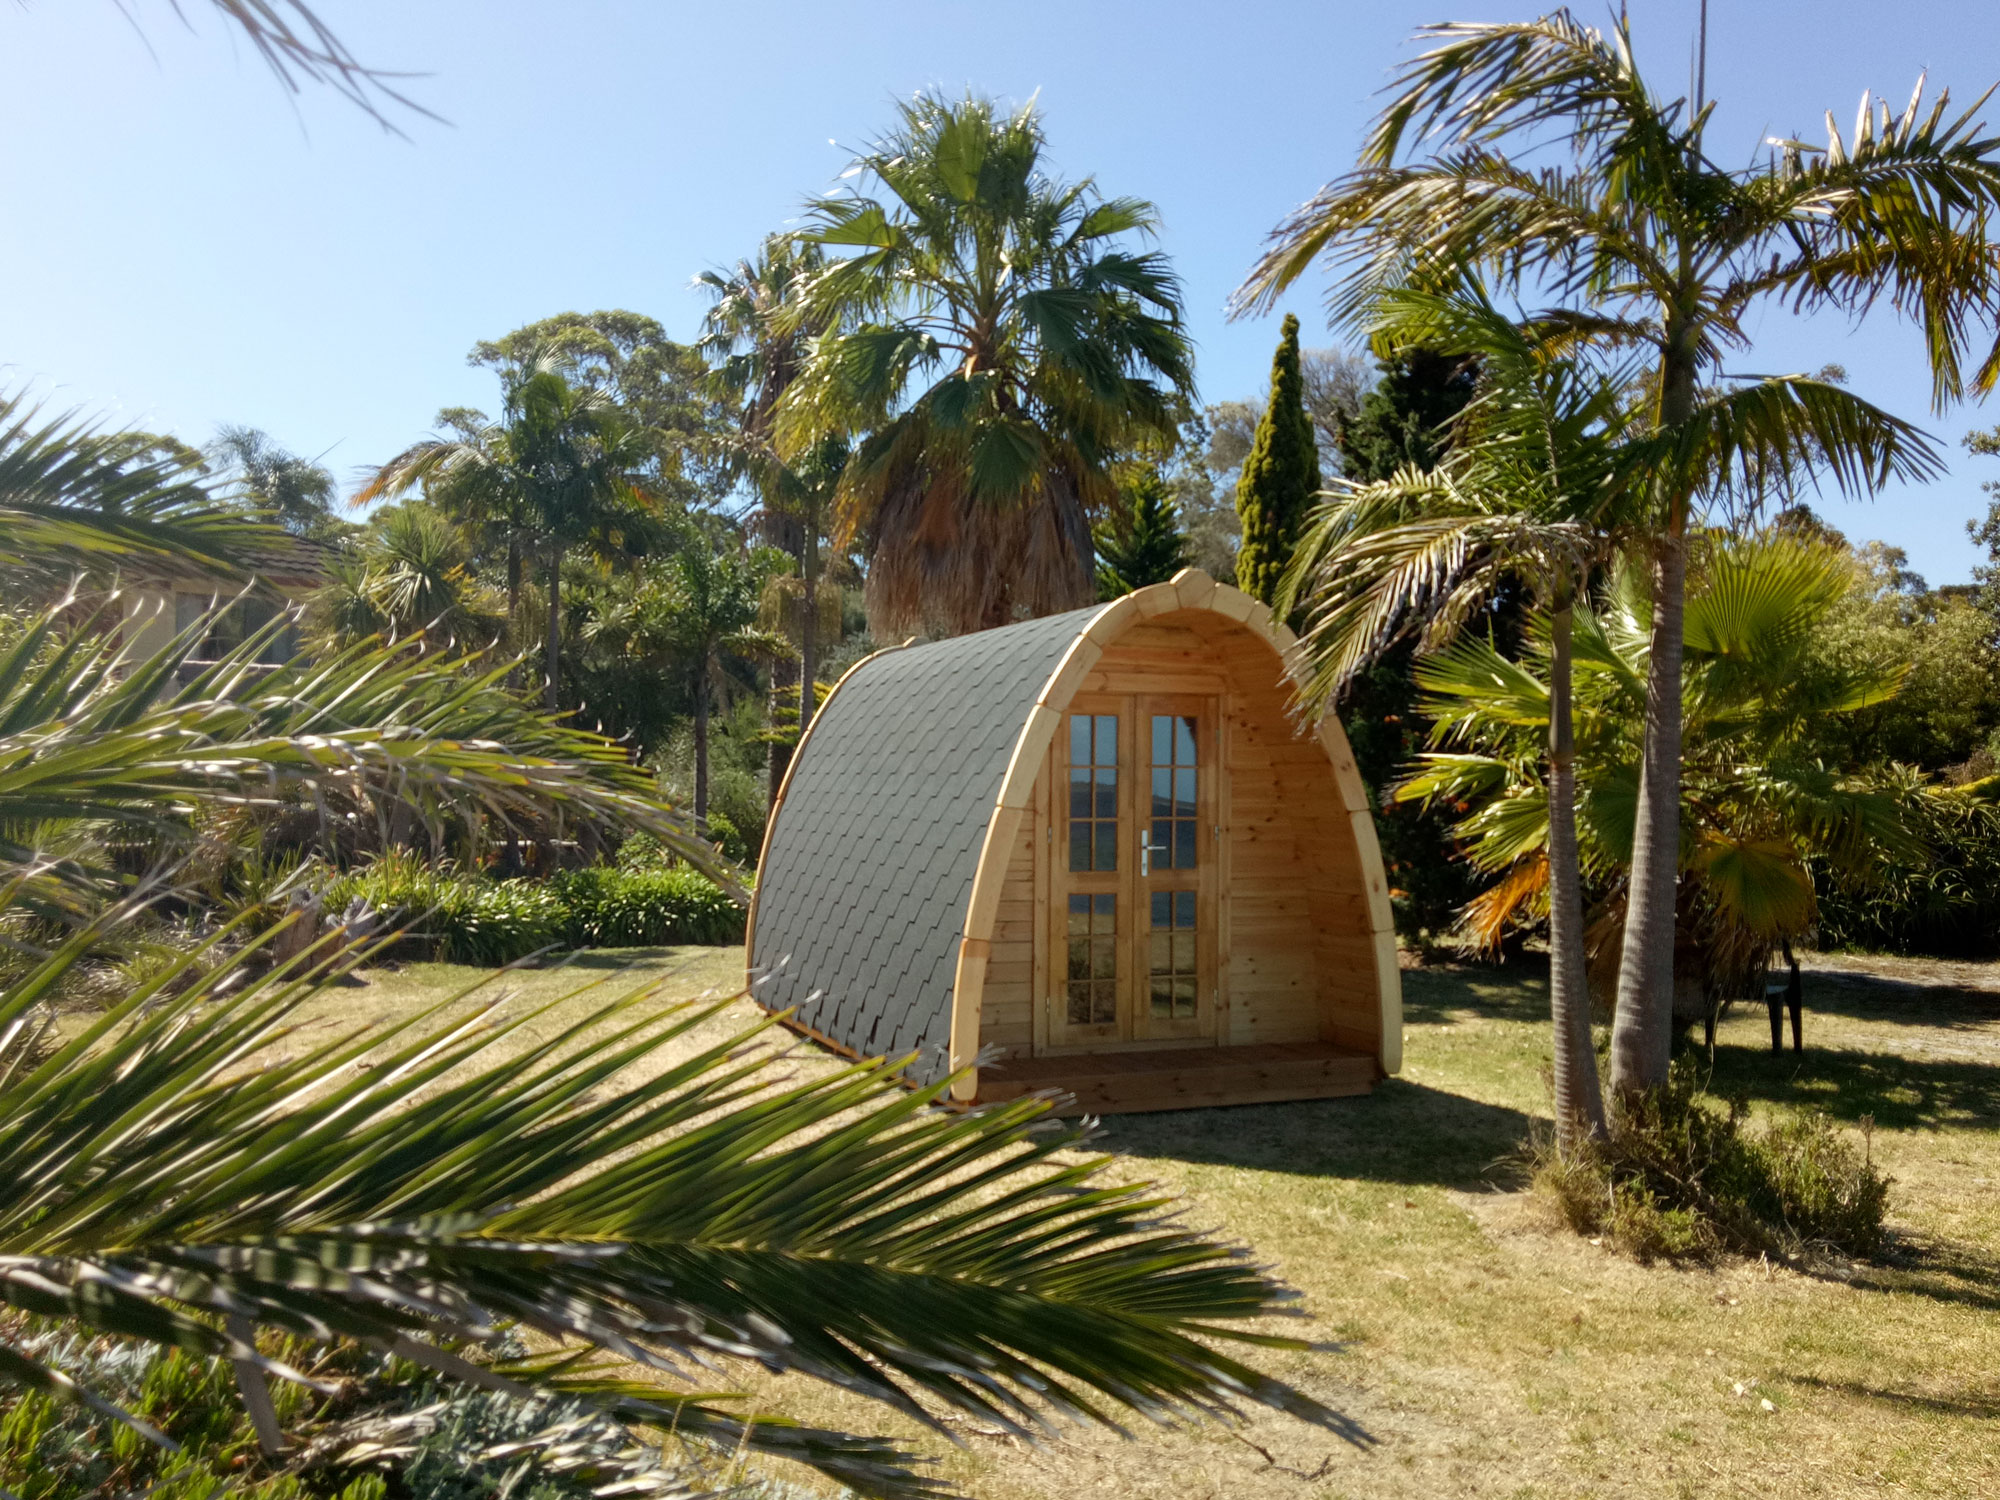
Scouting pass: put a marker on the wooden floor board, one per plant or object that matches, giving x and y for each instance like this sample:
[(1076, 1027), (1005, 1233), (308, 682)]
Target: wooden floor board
[(1184, 1077)]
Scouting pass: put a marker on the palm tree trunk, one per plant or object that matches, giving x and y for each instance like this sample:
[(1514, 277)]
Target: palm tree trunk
[(552, 647), (809, 626), (784, 683), (514, 602), (1579, 1098), (1642, 1033), (701, 749)]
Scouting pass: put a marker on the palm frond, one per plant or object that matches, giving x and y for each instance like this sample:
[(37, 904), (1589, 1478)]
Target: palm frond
[(173, 1164), (77, 495), (89, 734)]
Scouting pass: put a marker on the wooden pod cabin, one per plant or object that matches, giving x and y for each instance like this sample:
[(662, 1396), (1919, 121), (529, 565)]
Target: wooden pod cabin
[(1091, 852)]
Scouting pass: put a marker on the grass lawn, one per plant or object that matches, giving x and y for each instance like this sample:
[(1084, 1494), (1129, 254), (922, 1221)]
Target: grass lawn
[(1492, 1355)]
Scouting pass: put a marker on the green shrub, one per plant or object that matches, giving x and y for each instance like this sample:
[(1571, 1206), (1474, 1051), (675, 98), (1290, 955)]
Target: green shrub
[(1941, 898), (618, 908), (454, 916), (414, 1436), (458, 917), (1679, 1177)]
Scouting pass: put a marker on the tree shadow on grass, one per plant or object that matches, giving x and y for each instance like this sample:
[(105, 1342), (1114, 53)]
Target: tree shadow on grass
[(1902, 1093), (1942, 1270), (1913, 1403), (1441, 994), (1403, 1133), (1913, 1001)]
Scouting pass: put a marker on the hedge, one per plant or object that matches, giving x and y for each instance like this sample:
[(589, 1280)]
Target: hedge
[(456, 916)]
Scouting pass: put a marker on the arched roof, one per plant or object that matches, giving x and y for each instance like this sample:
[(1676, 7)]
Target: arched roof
[(882, 864), (867, 871)]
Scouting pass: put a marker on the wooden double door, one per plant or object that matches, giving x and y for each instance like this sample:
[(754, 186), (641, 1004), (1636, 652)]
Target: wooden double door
[(1136, 835)]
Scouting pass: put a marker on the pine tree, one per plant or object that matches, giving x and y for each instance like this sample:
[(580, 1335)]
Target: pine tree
[(1280, 476), (1143, 542)]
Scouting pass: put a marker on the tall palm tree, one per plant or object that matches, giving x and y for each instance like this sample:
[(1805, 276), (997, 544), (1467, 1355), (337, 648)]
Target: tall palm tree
[(759, 349), (990, 333), (1615, 210), (554, 473), (1533, 491)]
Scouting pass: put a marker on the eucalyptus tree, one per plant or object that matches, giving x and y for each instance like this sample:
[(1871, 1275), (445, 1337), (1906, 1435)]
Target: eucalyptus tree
[(1000, 342), (558, 471), (1534, 490), (1613, 209)]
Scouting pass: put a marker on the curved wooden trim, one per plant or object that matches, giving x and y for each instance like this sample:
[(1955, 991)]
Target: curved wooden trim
[(1017, 787), (778, 802)]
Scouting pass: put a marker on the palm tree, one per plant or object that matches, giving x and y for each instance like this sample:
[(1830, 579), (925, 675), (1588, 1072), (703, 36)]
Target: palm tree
[(998, 347), (1532, 492), (1642, 239), (554, 473), (409, 572), (1761, 805), (758, 354), (297, 493), (686, 612)]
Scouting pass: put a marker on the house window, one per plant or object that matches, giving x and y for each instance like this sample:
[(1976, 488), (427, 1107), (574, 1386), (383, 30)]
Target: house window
[(1172, 963), (232, 626), (1174, 809), (1093, 960), (1093, 791)]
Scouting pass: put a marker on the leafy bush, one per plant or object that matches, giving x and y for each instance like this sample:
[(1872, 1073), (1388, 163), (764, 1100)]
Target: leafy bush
[(459, 917), (1943, 899), (455, 916), (386, 1418), (1680, 1178), (617, 908), (55, 1450)]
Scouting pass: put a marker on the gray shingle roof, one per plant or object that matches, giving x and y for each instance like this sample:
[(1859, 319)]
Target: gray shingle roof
[(863, 891)]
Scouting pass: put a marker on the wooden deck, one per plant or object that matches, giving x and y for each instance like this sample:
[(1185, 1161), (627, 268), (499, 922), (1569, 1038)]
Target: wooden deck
[(1113, 1083)]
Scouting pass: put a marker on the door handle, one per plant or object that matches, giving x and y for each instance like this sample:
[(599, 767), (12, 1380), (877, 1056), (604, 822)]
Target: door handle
[(1145, 853)]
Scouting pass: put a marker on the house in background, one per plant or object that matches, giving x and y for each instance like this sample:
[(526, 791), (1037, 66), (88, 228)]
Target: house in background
[(1093, 853), (160, 603)]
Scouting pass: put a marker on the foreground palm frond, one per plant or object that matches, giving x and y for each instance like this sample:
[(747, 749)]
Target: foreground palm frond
[(88, 735), (188, 1169), (74, 494)]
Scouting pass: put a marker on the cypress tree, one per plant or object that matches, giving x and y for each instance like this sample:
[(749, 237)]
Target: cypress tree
[(1280, 476), (1143, 542)]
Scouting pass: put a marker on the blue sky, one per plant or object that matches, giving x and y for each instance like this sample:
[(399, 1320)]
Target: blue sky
[(184, 246)]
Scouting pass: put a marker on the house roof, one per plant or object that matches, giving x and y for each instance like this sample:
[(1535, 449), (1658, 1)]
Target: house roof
[(867, 878), (283, 560)]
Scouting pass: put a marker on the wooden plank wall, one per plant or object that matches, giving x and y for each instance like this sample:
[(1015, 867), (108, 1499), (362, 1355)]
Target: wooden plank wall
[(1299, 956)]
